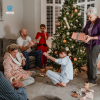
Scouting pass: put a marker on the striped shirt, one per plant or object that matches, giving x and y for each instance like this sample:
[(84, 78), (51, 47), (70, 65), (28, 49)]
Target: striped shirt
[(7, 92)]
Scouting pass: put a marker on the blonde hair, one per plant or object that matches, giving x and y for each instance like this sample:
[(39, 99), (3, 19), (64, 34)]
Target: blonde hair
[(12, 47), (91, 11)]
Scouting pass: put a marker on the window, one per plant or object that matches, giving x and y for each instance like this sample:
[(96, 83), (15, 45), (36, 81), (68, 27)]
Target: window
[(50, 10), (53, 8), (84, 5)]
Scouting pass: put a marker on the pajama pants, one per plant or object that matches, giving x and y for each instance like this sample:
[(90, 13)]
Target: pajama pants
[(29, 80), (37, 54), (55, 77)]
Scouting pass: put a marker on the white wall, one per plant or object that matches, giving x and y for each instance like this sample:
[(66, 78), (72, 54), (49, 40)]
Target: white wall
[(9, 28), (32, 16), (97, 2)]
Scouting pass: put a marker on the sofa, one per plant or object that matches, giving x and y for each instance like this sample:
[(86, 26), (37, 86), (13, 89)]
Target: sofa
[(3, 44)]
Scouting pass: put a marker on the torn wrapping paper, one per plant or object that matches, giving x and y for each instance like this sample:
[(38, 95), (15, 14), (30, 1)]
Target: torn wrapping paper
[(88, 95)]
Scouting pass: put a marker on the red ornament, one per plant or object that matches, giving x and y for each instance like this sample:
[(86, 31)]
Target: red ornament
[(75, 59), (75, 10), (55, 52), (64, 41), (58, 24)]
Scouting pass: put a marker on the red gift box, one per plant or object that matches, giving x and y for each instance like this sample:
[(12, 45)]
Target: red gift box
[(78, 36)]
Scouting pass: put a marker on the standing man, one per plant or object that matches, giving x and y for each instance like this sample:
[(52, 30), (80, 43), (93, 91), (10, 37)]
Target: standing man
[(26, 44)]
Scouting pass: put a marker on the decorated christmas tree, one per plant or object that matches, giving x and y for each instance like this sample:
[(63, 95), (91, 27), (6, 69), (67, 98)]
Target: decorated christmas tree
[(70, 20)]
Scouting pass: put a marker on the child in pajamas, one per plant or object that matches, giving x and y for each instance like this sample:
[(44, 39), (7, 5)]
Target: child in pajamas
[(61, 79)]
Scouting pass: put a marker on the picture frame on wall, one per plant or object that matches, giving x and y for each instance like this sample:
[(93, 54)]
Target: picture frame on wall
[(1, 10)]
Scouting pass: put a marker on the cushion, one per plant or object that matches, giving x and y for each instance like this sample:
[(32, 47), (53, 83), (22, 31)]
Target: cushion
[(46, 97), (7, 42)]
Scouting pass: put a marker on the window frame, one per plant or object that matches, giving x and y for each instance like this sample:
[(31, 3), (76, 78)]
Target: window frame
[(44, 13)]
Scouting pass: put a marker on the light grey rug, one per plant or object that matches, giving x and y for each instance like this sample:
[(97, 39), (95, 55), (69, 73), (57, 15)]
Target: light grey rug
[(44, 86)]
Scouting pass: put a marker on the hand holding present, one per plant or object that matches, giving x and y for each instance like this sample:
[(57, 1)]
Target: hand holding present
[(33, 43), (30, 44), (88, 38)]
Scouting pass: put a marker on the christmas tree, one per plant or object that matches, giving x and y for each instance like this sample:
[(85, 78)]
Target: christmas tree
[(69, 21)]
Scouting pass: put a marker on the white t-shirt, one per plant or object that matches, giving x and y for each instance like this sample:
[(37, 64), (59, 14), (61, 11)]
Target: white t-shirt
[(24, 43)]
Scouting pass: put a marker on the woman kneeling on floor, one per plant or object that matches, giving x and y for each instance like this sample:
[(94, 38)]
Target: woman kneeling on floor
[(13, 69)]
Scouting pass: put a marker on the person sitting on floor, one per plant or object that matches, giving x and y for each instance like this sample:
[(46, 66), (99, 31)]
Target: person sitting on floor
[(26, 44), (61, 79), (12, 68), (8, 92)]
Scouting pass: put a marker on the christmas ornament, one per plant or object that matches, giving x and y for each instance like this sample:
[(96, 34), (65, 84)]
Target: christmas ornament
[(64, 41), (75, 59), (67, 13), (66, 22), (59, 27), (67, 49), (72, 46), (58, 24), (74, 26), (70, 39), (76, 20), (79, 14), (80, 50), (83, 51), (69, 54), (71, 24), (55, 52), (64, 18), (68, 33), (76, 10), (74, 5), (64, 26), (79, 58)]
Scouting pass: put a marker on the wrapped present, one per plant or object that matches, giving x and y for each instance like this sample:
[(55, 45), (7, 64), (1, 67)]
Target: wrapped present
[(75, 72), (78, 36)]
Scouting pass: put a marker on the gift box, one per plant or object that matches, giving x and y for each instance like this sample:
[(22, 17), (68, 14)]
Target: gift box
[(78, 36)]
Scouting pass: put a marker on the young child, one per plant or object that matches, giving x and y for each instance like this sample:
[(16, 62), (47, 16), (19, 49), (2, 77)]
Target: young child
[(41, 37), (61, 79)]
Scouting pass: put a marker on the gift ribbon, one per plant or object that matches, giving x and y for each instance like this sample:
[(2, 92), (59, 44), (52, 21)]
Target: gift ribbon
[(77, 36)]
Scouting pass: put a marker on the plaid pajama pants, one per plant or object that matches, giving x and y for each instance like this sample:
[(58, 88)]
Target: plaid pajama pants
[(37, 54)]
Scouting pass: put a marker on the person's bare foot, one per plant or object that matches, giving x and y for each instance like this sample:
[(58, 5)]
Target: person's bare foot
[(57, 85), (63, 84), (38, 68)]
